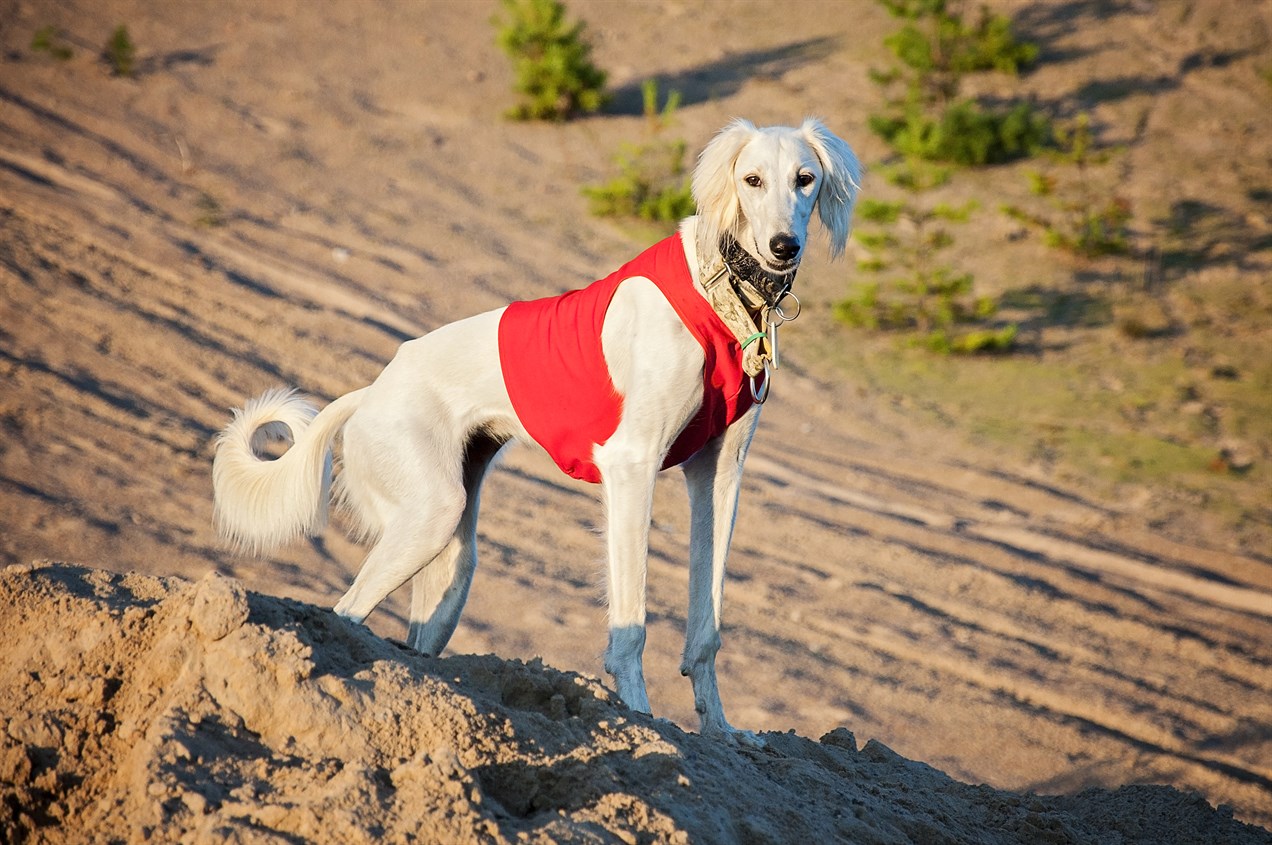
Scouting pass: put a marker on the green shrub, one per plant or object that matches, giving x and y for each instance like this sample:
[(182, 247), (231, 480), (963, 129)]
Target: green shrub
[(991, 45), (120, 53), (554, 71), (965, 133), (974, 342), (653, 182), (210, 213), (937, 41)]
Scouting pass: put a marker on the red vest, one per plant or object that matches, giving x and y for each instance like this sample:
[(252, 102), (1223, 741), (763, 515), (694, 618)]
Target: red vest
[(554, 368)]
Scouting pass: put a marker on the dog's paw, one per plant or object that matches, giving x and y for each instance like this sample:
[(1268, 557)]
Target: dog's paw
[(747, 739), (735, 737)]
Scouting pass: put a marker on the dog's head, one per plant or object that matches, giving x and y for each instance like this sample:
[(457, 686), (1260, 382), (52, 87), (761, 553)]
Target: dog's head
[(760, 186)]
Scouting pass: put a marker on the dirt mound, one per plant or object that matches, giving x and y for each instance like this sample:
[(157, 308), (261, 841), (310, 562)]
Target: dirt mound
[(141, 708)]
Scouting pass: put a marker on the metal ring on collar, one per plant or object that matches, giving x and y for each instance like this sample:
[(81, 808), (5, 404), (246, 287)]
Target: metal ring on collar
[(760, 396), (781, 312)]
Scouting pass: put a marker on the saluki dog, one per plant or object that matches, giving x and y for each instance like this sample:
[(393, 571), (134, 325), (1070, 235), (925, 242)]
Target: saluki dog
[(666, 362)]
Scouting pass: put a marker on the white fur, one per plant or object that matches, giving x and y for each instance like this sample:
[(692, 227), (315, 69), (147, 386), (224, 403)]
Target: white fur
[(275, 501), (418, 441)]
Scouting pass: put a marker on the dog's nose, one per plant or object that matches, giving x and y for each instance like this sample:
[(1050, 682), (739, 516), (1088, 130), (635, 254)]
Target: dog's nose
[(784, 247)]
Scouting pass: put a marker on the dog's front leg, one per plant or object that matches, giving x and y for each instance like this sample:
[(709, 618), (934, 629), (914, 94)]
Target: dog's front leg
[(627, 482), (655, 365), (714, 478)]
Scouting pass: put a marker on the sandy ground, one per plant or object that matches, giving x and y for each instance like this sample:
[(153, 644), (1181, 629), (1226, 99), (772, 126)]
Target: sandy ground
[(286, 192), (163, 710)]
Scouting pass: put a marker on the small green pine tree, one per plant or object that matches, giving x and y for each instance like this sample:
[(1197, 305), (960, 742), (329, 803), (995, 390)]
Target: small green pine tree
[(554, 71), (936, 49)]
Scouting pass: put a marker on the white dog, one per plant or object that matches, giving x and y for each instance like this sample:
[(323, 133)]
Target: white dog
[(665, 362)]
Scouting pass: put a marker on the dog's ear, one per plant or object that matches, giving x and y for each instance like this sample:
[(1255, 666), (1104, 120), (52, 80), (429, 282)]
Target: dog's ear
[(842, 182), (714, 190)]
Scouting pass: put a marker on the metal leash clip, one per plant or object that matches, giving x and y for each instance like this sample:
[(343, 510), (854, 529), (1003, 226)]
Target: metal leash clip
[(772, 344)]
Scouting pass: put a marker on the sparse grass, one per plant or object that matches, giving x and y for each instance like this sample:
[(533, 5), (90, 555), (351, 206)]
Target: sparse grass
[(120, 52), (1118, 423), (1143, 318), (1183, 416), (50, 40), (1083, 219), (209, 214), (653, 182)]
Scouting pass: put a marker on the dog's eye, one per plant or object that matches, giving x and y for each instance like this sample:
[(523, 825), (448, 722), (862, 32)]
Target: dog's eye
[(754, 181), (803, 180)]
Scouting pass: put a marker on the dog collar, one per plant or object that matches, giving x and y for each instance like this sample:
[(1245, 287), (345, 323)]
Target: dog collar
[(756, 286), (748, 299)]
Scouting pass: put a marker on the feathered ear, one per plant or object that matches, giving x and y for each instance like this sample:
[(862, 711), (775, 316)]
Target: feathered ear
[(714, 190), (841, 184)]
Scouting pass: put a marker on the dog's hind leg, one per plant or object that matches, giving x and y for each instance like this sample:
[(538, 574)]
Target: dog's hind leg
[(411, 541), (714, 478), (418, 504), (440, 589), (438, 594)]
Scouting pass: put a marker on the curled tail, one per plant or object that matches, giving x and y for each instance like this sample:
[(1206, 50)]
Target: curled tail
[(262, 504)]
